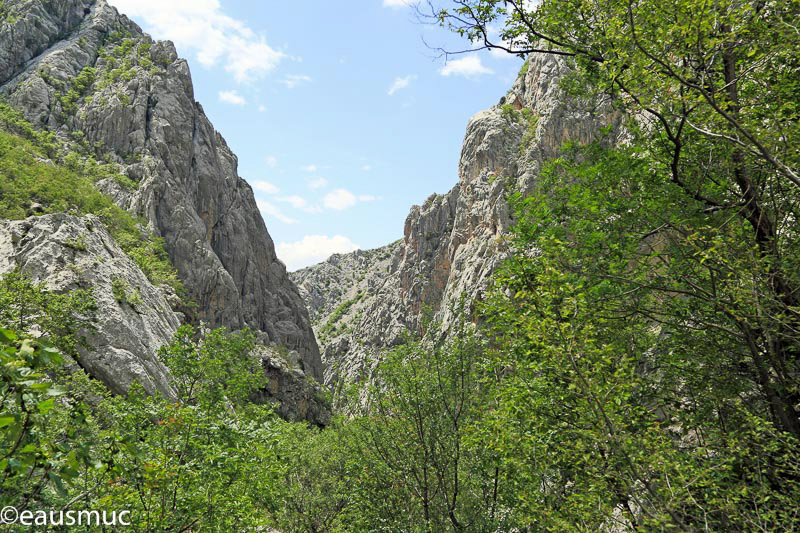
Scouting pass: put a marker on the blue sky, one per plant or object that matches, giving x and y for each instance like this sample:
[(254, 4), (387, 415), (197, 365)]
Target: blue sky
[(341, 116)]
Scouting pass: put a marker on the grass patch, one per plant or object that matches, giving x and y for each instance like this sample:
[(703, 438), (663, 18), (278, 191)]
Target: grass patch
[(26, 175)]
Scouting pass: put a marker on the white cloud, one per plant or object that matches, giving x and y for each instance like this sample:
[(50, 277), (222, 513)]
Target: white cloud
[(293, 80), (201, 27), (298, 202), (262, 108), (313, 249), (468, 66), (272, 161), (271, 210), (366, 168), (232, 97), (339, 199), (401, 83), (310, 168), (319, 183), (397, 3), (266, 187)]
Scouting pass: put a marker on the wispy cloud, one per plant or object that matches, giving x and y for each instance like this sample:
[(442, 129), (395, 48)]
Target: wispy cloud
[(298, 202), (232, 97), (319, 183), (293, 80), (313, 249), (366, 168), (270, 210), (469, 66), (400, 83), (341, 199), (201, 27), (397, 3), (271, 161), (310, 168), (265, 187)]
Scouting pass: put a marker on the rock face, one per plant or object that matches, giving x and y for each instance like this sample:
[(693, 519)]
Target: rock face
[(453, 242), (295, 397), (67, 252), (338, 292), (82, 70)]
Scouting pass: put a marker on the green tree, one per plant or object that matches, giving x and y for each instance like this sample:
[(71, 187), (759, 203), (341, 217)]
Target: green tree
[(635, 393), (713, 91), (424, 468), (206, 461), (64, 318)]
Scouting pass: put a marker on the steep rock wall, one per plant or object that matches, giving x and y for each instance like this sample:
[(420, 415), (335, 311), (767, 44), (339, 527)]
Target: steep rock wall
[(79, 68), (122, 347)]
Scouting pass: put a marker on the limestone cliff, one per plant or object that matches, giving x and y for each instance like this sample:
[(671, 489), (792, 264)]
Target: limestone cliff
[(133, 318), (89, 74), (453, 242)]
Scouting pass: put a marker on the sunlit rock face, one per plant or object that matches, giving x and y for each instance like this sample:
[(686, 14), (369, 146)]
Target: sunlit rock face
[(454, 242), (66, 252), (88, 73)]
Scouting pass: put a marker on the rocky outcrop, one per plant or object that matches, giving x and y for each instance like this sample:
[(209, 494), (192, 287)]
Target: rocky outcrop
[(454, 242), (82, 70), (339, 293), (294, 396), (133, 318)]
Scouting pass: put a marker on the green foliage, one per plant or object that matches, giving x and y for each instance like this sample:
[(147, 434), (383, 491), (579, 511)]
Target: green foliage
[(6, 14), (64, 318), (124, 294), (316, 478), (70, 188), (623, 322), (33, 454), (78, 243), (13, 122), (208, 464), (523, 70), (214, 368), (331, 325), (44, 438), (207, 461), (509, 112), (410, 462), (79, 87)]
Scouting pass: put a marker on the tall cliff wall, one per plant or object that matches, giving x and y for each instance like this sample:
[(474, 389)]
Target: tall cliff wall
[(82, 70)]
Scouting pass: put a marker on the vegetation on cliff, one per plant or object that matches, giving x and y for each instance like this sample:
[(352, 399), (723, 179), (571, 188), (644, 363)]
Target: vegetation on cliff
[(634, 366)]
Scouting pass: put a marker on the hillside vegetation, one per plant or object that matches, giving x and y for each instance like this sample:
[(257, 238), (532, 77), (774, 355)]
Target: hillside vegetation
[(634, 364)]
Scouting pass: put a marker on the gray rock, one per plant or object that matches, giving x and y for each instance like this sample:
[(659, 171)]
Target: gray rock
[(138, 110), (339, 293), (454, 242), (67, 252), (294, 395)]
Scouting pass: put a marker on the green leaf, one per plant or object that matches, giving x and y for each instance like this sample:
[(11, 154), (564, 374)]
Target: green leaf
[(45, 406)]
